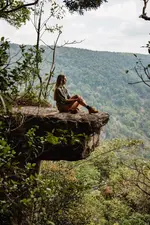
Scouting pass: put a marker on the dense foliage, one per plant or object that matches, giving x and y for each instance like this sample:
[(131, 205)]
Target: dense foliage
[(9, 13), (80, 6), (110, 187)]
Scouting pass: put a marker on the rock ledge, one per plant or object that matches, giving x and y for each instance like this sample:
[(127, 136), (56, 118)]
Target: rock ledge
[(82, 132)]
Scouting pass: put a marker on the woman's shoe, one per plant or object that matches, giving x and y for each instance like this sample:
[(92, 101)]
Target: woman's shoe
[(92, 110)]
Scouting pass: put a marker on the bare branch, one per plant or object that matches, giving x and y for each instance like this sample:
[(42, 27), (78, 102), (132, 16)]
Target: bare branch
[(146, 70), (33, 24), (141, 76), (71, 43), (44, 23), (144, 191), (46, 44), (136, 184), (53, 63), (42, 33), (144, 14), (137, 82), (140, 180)]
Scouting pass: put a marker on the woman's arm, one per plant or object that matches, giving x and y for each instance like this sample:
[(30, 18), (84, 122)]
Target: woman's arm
[(60, 97)]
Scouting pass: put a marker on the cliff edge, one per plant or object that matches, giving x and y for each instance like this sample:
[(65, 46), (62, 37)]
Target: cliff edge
[(57, 136)]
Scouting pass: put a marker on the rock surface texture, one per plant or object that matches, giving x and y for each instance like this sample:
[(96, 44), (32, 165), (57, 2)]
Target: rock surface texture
[(57, 136)]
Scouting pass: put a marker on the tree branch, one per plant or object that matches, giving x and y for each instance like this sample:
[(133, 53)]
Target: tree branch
[(137, 82), (46, 44), (144, 14), (53, 64), (3, 10), (71, 43), (5, 7)]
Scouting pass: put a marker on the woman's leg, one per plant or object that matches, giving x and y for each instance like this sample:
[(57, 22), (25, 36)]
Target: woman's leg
[(80, 100), (71, 106), (74, 105)]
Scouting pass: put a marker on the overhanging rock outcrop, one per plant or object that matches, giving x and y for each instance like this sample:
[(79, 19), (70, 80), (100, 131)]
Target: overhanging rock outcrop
[(57, 136)]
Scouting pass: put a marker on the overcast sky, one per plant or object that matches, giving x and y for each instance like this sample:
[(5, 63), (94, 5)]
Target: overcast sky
[(115, 26)]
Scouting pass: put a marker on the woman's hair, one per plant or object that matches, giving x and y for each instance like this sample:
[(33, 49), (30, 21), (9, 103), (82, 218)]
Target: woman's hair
[(59, 81)]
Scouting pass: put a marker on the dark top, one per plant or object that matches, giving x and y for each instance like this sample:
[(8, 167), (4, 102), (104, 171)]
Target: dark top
[(61, 95)]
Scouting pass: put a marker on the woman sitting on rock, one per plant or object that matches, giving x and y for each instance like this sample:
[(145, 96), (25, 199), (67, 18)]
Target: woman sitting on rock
[(66, 103)]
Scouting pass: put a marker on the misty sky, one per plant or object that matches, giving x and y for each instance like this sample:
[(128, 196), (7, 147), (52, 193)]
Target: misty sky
[(115, 26)]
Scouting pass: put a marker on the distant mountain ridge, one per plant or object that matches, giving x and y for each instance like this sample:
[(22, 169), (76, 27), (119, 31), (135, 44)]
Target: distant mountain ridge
[(101, 79)]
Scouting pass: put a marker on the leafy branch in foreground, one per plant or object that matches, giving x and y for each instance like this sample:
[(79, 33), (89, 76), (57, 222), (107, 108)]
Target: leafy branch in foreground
[(9, 6), (10, 75), (15, 12), (49, 198)]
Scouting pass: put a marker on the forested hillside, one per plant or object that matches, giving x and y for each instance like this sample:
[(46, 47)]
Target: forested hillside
[(100, 77)]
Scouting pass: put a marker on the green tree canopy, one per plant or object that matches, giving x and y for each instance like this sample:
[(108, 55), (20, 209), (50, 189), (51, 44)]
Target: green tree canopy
[(81, 5), (15, 12)]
